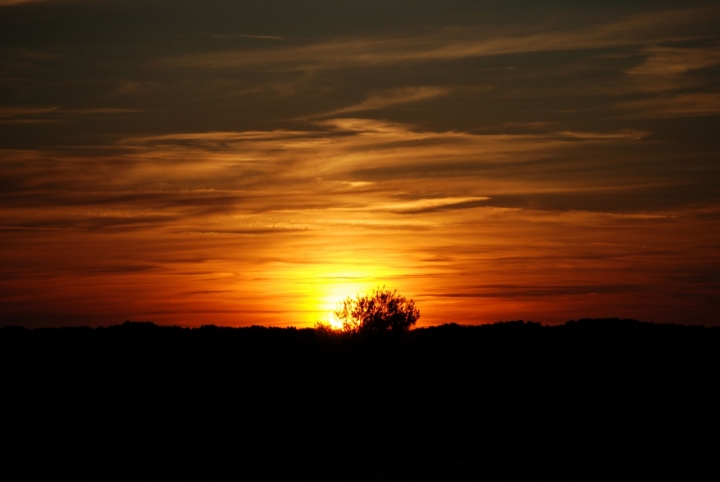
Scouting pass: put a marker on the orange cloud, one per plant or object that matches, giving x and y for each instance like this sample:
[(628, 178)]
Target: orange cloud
[(666, 68), (391, 98), (681, 105)]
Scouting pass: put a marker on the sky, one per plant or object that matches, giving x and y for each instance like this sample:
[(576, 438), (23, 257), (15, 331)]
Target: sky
[(237, 163)]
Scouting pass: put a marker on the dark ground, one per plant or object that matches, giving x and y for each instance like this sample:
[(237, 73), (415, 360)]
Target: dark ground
[(589, 400)]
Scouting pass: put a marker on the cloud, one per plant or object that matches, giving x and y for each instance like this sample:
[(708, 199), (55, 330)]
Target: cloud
[(24, 114), (101, 111), (9, 112), (386, 99), (523, 291), (458, 43), (216, 138), (666, 68), (28, 115), (347, 172), (248, 36), (8, 3), (682, 105), (665, 61), (421, 205)]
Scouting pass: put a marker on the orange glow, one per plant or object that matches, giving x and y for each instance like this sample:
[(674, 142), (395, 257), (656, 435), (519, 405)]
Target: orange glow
[(472, 265), (499, 166)]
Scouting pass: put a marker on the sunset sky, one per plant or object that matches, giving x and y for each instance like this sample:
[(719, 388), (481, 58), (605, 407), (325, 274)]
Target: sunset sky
[(233, 162)]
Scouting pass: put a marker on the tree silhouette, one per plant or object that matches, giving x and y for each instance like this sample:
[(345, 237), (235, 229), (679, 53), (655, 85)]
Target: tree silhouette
[(383, 311)]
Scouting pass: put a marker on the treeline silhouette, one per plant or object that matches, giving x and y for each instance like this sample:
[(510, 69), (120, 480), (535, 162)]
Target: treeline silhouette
[(587, 400)]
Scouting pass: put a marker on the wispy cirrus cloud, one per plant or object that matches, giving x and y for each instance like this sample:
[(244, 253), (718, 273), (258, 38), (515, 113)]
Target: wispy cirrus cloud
[(23, 114), (695, 104), (394, 97), (666, 68), (417, 206), (9, 112), (249, 36), (7, 3), (190, 177), (452, 44)]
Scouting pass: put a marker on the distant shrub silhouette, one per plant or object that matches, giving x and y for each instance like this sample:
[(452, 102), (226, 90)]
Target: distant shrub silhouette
[(325, 330), (381, 312)]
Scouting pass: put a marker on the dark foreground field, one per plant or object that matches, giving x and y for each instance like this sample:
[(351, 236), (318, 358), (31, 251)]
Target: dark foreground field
[(590, 400)]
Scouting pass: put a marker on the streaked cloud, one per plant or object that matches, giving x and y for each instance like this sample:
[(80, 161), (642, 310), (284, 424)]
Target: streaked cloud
[(9, 112), (17, 2), (420, 205), (55, 113), (192, 178), (663, 61), (662, 26), (665, 68), (682, 105), (8, 3), (248, 36), (382, 100)]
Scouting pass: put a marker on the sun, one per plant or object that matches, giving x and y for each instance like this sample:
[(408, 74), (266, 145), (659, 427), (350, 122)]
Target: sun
[(320, 288), (334, 323), (329, 295)]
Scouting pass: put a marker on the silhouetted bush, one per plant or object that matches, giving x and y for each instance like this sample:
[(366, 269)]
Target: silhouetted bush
[(381, 312)]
